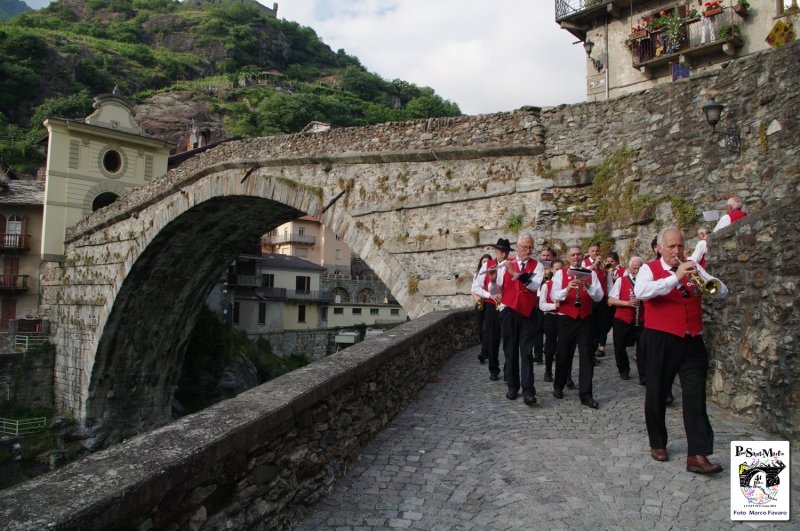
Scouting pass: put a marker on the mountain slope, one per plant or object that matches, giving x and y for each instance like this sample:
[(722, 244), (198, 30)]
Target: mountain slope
[(10, 8)]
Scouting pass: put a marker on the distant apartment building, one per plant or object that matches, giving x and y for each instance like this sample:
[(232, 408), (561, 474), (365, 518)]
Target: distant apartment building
[(633, 45), (310, 240)]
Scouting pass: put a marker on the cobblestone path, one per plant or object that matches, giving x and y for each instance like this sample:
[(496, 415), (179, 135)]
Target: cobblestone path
[(462, 456)]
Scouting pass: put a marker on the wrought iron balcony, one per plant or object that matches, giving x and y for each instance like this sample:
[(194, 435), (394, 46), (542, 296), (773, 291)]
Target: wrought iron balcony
[(14, 282), (15, 242), (580, 11), (698, 37), (288, 238)]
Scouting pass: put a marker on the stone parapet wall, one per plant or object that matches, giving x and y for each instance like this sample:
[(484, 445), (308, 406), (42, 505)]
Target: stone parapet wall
[(753, 336), (26, 378), (257, 461)]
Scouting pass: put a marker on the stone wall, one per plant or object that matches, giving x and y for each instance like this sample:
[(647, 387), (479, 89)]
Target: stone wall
[(27, 378), (313, 344), (753, 336), (257, 461)]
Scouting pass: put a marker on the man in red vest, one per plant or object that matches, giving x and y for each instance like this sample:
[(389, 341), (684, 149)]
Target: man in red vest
[(575, 296), (491, 326), (673, 340), (600, 308), (518, 281), (734, 207), (628, 320), (549, 312)]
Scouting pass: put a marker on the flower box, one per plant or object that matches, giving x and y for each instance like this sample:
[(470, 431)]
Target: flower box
[(712, 12), (641, 34), (741, 10)]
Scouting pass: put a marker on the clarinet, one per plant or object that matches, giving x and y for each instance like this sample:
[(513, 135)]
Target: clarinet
[(635, 312), (578, 297)]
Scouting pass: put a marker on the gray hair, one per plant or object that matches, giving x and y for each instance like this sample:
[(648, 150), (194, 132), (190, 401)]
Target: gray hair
[(704, 230), (664, 231), (630, 262), (526, 234)]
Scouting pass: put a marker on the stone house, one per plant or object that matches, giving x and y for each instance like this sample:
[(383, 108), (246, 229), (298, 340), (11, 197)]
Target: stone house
[(633, 45)]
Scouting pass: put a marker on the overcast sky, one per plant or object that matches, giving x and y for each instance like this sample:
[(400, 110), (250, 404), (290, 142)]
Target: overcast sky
[(486, 56)]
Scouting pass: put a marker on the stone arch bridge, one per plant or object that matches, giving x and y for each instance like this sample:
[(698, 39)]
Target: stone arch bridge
[(417, 201)]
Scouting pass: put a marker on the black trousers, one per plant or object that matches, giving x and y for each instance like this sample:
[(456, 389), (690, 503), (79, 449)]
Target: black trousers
[(490, 347), (572, 333), (550, 329), (538, 333), (517, 331), (479, 324), (668, 355), (624, 335), (602, 316)]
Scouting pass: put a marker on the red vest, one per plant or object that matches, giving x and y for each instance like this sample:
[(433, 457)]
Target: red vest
[(515, 294), (601, 276), (673, 313), (567, 306), (489, 263), (626, 313), (736, 215)]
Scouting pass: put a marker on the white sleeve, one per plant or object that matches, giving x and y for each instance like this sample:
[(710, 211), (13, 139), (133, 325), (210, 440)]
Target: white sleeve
[(723, 222), (614, 293), (647, 288), (478, 282), (699, 251), (543, 304), (557, 293), (594, 289)]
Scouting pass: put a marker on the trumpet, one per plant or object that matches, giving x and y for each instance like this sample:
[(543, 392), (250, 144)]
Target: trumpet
[(710, 285), (610, 267)]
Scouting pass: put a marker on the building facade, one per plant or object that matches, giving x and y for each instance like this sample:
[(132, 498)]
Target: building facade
[(310, 240), (633, 45), (91, 163)]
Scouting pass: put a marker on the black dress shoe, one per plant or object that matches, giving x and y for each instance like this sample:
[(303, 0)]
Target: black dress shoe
[(642, 381), (570, 384), (625, 376), (548, 377), (670, 399), (529, 399), (494, 377), (558, 393), (590, 402), (481, 359), (511, 395), (601, 353), (538, 359)]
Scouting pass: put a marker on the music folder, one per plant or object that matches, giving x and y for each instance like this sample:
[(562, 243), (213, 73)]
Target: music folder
[(580, 272)]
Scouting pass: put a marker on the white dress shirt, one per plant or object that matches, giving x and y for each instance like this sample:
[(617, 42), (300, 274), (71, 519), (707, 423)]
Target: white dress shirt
[(723, 222), (594, 289), (543, 304), (647, 288), (699, 251)]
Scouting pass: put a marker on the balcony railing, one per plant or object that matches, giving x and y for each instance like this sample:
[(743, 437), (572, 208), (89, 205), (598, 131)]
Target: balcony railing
[(568, 9), (15, 242), (14, 282), (294, 295), (697, 37), (288, 238)]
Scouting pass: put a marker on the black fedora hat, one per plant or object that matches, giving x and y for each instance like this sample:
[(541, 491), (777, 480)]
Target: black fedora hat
[(503, 245)]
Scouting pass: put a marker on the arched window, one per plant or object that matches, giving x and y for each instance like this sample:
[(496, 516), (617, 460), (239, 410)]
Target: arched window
[(341, 295), (366, 295), (103, 200)]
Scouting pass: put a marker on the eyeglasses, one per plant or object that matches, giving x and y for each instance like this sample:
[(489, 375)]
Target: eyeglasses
[(525, 246)]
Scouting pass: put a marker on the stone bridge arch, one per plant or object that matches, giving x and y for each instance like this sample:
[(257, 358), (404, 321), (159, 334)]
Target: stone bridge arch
[(130, 287)]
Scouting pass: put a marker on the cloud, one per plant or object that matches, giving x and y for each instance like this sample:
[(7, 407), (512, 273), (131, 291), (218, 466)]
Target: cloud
[(485, 56)]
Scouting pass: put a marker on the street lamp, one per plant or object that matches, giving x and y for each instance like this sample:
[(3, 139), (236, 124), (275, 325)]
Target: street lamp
[(588, 45), (713, 111)]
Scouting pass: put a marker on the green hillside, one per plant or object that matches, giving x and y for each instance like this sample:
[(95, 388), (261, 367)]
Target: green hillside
[(53, 61), (10, 8)]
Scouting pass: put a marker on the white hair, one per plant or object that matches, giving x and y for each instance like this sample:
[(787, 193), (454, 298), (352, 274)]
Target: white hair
[(664, 231), (525, 234), (735, 202), (630, 262)]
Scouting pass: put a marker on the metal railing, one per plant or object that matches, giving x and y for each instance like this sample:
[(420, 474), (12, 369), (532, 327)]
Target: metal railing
[(14, 282), (292, 294), (15, 241), (694, 34), (22, 427), (288, 238), (24, 343), (565, 8)]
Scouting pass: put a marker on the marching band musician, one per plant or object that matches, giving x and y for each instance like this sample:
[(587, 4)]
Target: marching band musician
[(518, 280), (546, 257), (628, 320), (480, 307), (673, 339), (701, 249), (490, 344), (549, 313), (734, 212), (598, 317), (575, 297)]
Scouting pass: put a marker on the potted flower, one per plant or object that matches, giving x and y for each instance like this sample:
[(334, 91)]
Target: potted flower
[(714, 7), (637, 32), (742, 7)]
